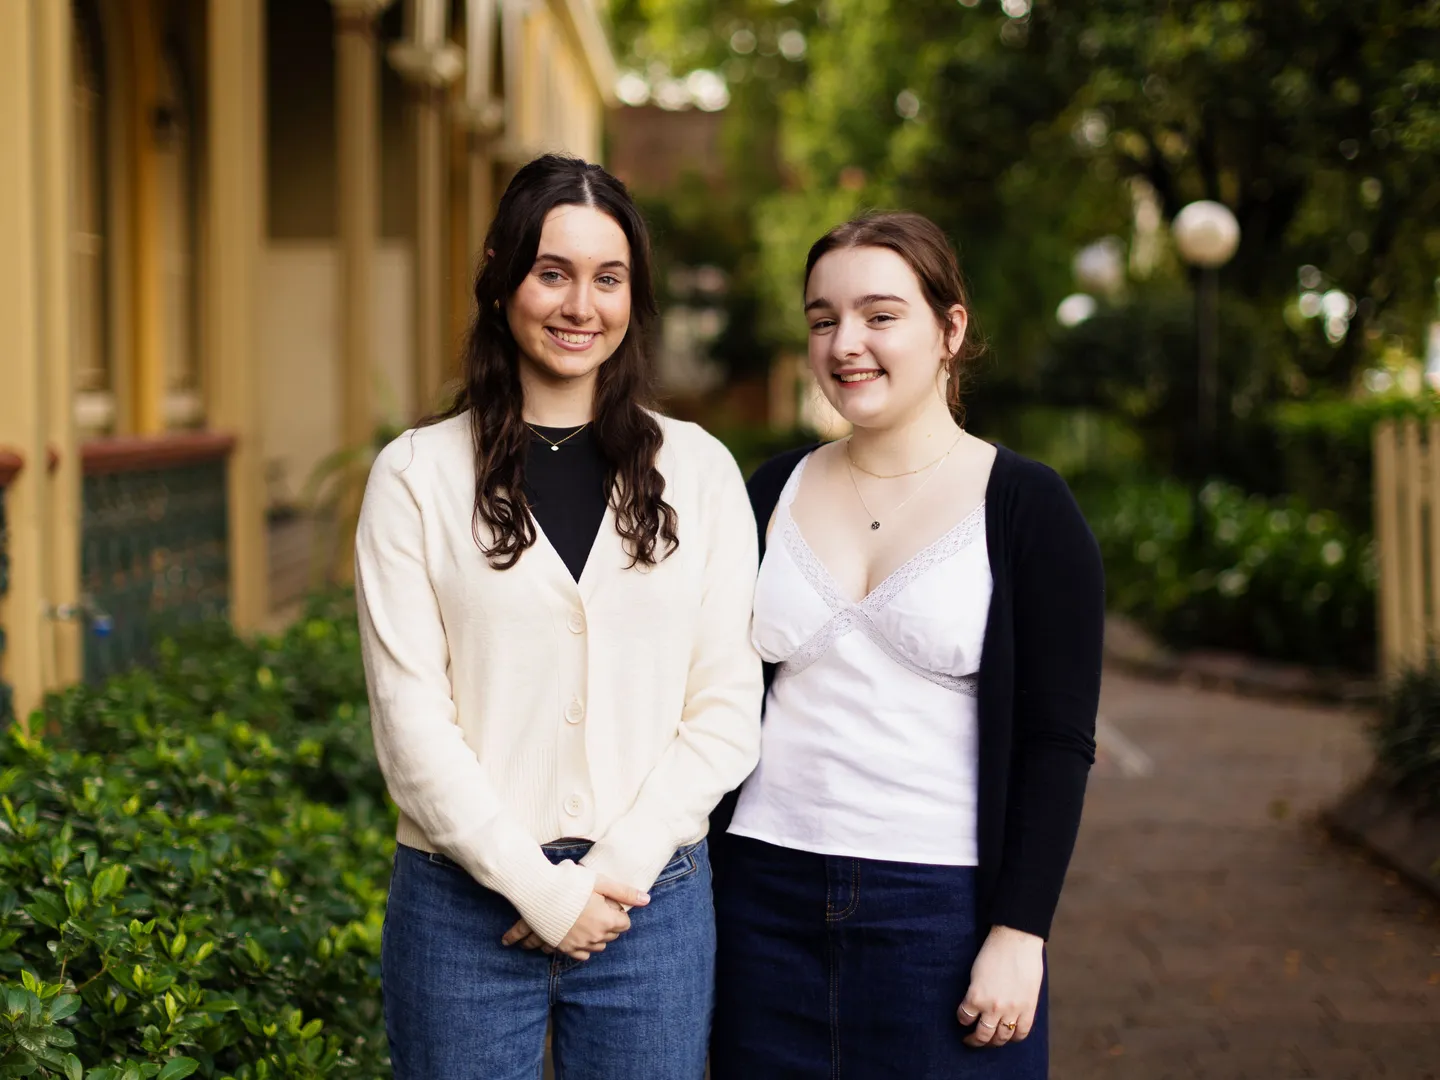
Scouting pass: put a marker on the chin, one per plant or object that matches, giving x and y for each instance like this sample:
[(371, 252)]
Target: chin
[(860, 412), (572, 365)]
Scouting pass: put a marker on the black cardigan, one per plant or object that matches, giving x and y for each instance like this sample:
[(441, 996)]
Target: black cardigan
[(1039, 684)]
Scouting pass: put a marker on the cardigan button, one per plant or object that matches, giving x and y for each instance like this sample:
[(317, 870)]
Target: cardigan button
[(574, 712), (573, 805), (576, 622)]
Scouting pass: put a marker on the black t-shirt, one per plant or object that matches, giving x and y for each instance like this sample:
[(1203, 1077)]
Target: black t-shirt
[(566, 491)]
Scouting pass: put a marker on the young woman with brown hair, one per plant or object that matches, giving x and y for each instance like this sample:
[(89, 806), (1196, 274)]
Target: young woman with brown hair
[(930, 607)]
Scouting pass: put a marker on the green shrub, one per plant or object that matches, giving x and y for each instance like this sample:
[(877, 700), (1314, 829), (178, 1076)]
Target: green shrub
[(1327, 447), (1266, 576), (193, 865), (1407, 734)]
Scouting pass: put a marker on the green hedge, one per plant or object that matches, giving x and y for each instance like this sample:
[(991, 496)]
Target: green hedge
[(1270, 577), (1326, 447), (1407, 735), (193, 863)]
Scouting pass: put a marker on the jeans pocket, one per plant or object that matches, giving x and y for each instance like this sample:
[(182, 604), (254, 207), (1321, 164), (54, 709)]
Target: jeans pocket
[(685, 863)]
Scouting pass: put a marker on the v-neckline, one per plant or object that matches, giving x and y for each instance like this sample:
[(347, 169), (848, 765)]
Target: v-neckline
[(585, 582), (829, 579)]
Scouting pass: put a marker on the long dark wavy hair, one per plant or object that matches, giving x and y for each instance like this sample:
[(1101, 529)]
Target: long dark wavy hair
[(627, 434)]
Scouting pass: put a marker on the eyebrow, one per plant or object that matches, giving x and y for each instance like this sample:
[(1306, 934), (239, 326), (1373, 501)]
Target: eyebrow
[(562, 261), (864, 301)]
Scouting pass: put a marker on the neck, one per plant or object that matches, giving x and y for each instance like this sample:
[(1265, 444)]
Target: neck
[(907, 444), (557, 403)]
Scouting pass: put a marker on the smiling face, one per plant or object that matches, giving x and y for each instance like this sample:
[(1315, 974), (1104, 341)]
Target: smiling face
[(877, 348), (572, 310)]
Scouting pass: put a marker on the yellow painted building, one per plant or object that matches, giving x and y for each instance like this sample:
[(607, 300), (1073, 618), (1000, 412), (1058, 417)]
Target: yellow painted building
[(235, 237)]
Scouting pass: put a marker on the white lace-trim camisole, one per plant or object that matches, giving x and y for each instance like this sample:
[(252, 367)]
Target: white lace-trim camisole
[(870, 740)]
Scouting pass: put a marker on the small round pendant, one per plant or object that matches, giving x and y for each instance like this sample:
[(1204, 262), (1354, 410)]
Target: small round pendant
[(553, 449), (874, 525)]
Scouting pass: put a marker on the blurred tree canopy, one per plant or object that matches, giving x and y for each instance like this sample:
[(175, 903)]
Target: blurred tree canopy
[(1029, 128)]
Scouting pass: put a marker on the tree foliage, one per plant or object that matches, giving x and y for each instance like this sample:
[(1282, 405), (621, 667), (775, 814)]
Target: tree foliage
[(1024, 128)]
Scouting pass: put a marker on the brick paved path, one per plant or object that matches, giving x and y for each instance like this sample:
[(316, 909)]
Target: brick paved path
[(1210, 930)]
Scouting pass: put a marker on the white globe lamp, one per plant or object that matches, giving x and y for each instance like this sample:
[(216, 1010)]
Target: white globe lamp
[(1206, 234)]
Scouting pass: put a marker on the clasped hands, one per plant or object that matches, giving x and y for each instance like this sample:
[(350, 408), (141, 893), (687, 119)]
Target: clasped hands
[(602, 921)]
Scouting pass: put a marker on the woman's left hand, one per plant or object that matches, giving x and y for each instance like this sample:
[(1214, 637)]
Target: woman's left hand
[(1004, 987)]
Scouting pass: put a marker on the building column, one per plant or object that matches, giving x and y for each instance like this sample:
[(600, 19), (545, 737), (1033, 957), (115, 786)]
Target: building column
[(429, 63), (147, 384), (235, 226), (357, 138), (479, 117), (55, 225), (22, 426)]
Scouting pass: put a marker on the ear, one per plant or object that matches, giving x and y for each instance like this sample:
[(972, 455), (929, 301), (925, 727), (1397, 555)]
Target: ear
[(957, 320)]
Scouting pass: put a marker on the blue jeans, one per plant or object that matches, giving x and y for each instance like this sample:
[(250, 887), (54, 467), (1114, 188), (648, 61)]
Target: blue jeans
[(836, 968), (461, 1006)]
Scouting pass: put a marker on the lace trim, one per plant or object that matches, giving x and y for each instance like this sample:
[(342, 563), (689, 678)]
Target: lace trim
[(811, 566), (955, 540), (849, 616), (961, 684), (819, 643)]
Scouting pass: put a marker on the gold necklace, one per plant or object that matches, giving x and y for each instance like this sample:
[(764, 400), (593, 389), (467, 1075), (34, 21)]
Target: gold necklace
[(556, 445), (875, 521), (898, 475)]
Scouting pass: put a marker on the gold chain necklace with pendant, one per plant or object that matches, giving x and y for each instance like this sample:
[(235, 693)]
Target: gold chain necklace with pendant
[(935, 465), (556, 445)]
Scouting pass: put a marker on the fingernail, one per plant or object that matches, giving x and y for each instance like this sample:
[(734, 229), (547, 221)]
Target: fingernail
[(644, 898)]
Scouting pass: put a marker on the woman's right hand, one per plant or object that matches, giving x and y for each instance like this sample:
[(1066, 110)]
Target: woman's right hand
[(603, 920)]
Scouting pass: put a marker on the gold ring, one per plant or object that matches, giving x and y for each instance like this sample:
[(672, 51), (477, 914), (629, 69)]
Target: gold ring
[(1010, 1026)]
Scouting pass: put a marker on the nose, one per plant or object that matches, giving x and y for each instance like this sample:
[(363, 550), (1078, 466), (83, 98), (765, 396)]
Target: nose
[(578, 306), (848, 340)]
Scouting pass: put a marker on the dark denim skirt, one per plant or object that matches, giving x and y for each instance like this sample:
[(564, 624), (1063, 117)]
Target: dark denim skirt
[(837, 968)]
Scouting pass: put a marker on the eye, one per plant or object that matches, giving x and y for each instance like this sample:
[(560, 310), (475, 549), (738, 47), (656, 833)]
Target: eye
[(609, 281), (882, 317), (550, 277), (821, 324)]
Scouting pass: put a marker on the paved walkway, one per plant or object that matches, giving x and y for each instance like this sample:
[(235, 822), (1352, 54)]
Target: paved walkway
[(1210, 930)]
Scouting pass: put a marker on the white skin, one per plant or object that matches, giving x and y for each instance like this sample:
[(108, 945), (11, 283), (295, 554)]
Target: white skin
[(878, 351), (568, 317)]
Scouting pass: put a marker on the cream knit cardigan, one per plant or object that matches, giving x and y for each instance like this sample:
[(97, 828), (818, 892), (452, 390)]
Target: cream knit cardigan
[(514, 707)]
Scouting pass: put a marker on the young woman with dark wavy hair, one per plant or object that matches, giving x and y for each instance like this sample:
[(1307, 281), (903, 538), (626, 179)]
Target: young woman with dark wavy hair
[(930, 607), (554, 586)]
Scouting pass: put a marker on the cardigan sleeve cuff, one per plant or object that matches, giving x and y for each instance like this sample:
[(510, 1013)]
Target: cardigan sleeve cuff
[(549, 896), (1024, 906), (632, 853)]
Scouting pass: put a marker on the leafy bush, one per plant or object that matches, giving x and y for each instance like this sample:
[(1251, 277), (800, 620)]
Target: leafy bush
[(193, 865), (1407, 734), (1327, 449), (1265, 576)]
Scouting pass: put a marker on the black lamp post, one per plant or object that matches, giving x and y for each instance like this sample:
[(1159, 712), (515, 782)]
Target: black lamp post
[(1206, 235)]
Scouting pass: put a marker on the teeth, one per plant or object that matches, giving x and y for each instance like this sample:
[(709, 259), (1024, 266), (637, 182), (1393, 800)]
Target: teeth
[(573, 339), (862, 376)]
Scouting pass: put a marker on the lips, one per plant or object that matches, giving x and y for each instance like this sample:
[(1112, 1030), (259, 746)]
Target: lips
[(571, 339), (851, 378)]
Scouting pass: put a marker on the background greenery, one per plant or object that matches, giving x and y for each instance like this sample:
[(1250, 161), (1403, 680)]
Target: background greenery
[(1032, 128), (193, 863)]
